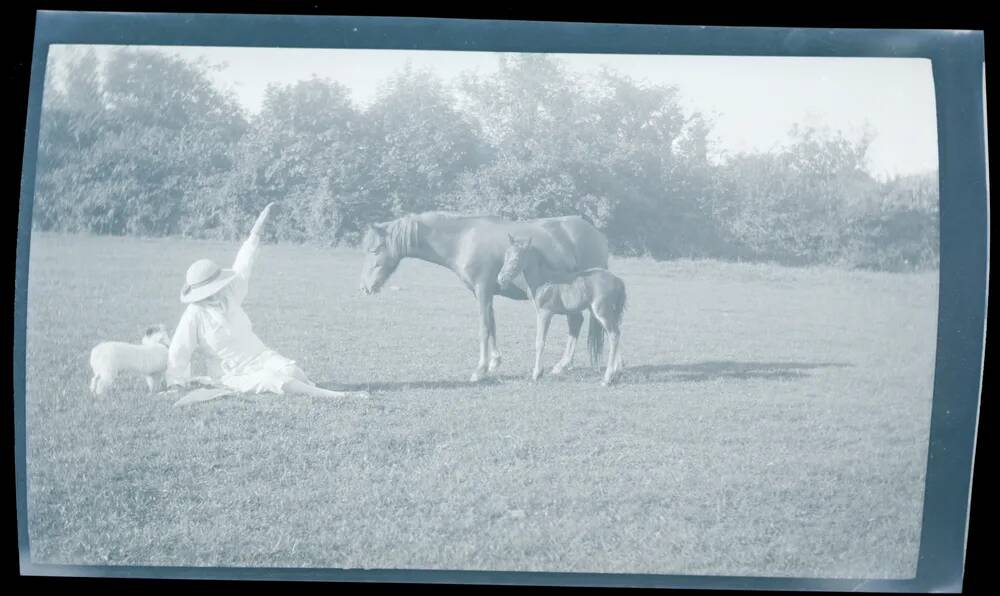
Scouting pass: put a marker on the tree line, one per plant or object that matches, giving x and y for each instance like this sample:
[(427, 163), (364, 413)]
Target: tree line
[(143, 143)]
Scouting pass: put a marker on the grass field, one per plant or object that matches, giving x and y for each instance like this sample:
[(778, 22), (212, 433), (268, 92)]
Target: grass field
[(772, 421)]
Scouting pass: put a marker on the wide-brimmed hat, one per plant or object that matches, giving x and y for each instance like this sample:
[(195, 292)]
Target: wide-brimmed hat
[(204, 279)]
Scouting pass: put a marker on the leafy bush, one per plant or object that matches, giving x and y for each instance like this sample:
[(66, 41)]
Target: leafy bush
[(144, 143)]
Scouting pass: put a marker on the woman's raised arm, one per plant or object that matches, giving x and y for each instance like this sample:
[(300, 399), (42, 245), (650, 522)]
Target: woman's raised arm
[(247, 255)]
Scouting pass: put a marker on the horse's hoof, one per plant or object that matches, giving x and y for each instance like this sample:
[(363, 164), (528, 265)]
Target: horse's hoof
[(494, 364), (558, 370), (477, 377), (536, 375)]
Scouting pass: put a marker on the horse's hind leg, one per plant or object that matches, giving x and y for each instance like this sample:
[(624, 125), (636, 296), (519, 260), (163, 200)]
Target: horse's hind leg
[(575, 323), (494, 351)]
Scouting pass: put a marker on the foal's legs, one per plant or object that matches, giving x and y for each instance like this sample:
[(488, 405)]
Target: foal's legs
[(610, 322), (620, 363), (543, 318), (614, 357), (575, 323)]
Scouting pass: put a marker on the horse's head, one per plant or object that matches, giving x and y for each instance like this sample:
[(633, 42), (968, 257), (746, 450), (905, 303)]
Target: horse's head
[(513, 260), (381, 258)]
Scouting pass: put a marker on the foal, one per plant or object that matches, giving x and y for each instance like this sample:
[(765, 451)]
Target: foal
[(553, 292)]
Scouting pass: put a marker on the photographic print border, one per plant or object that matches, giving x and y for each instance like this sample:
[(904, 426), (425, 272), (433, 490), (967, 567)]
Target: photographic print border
[(957, 59)]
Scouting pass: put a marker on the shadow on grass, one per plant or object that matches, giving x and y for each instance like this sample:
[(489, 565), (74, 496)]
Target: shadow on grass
[(405, 385), (721, 370), (644, 373)]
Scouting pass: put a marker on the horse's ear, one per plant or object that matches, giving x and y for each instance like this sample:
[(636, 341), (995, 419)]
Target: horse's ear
[(511, 238), (528, 243)]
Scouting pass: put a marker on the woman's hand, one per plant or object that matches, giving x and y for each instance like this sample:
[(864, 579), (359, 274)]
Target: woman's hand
[(259, 224)]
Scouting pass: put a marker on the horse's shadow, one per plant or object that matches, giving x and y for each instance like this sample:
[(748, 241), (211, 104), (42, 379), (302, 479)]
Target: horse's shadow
[(722, 370), (642, 374)]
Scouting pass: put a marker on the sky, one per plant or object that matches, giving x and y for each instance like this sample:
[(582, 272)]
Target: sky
[(753, 101)]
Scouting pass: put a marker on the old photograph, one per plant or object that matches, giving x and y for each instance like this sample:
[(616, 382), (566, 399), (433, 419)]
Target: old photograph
[(489, 311)]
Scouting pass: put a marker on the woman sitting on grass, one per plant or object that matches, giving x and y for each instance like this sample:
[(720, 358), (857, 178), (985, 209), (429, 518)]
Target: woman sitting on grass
[(215, 323)]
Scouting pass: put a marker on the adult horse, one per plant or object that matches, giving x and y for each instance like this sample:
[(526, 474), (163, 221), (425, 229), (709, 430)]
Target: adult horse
[(473, 247)]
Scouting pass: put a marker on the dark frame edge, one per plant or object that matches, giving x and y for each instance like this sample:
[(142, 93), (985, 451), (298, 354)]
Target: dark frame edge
[(55, 27)]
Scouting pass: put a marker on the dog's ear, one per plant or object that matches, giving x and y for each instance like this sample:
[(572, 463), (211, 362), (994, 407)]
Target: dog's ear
[(151, 330)]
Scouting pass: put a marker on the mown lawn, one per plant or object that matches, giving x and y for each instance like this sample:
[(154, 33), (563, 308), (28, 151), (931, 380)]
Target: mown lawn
[(772, 421)]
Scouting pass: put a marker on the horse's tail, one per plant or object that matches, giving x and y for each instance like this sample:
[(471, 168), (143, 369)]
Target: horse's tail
[(595, 340)]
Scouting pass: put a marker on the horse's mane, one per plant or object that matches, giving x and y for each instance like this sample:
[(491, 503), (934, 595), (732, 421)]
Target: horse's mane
[(401, 235), (404, 233)]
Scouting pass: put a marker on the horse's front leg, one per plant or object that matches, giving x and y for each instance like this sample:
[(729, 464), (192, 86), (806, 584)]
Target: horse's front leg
[(485, 314), (543, 318), (575, 322)]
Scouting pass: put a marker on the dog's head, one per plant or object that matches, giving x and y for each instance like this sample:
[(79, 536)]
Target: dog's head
[(156, 334)]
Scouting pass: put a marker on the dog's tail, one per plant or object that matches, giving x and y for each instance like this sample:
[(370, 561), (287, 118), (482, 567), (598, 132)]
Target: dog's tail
[(93, 384)]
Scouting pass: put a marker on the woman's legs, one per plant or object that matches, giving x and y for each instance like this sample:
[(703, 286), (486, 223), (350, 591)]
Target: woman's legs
[(298, 387)]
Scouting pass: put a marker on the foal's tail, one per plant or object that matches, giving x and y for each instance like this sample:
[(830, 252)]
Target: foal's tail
[(595, 337)]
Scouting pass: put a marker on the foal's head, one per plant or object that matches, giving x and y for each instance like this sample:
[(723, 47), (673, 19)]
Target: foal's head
[(514, 260)]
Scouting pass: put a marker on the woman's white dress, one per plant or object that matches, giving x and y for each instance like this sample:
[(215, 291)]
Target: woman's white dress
[(236, 357)]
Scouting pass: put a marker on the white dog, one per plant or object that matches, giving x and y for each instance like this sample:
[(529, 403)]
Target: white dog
[(149, 358)]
